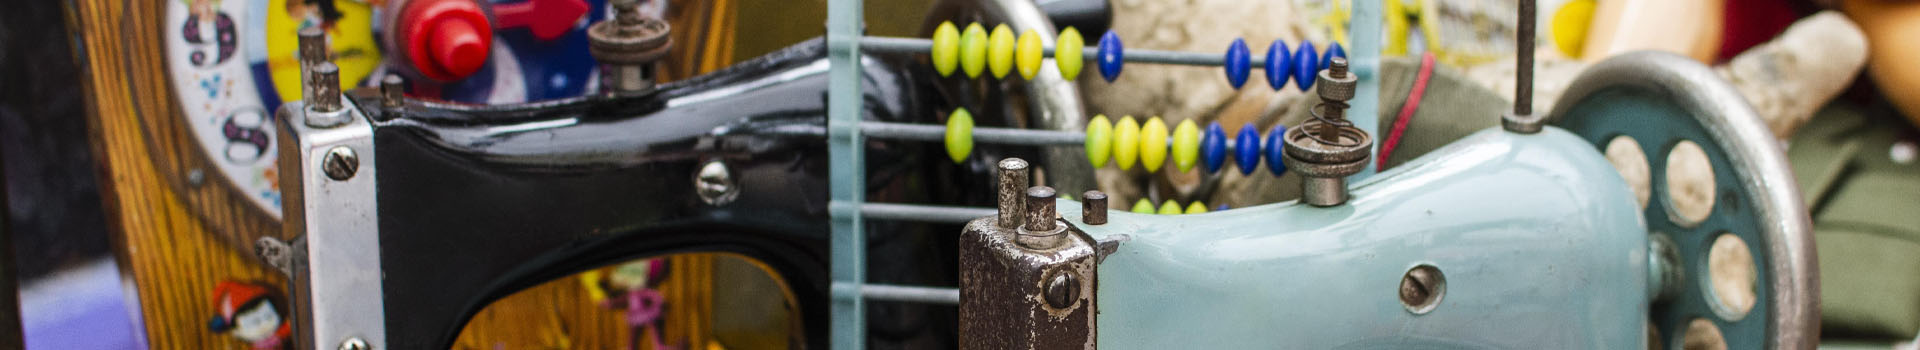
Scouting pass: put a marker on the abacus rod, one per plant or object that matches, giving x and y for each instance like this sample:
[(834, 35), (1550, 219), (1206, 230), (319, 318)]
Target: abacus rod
[(918, 45), (1009, 136), (924, 213), (930, 295)]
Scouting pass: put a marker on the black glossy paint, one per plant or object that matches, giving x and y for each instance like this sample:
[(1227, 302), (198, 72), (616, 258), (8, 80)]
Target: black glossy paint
[(477, 202)]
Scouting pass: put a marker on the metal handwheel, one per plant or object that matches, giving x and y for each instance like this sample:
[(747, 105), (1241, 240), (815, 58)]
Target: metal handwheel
[(1673, 106)]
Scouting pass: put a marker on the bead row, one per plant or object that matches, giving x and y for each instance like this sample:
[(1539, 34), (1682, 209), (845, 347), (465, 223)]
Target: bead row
[(976, 50), (1169, 208), (1150, 143)]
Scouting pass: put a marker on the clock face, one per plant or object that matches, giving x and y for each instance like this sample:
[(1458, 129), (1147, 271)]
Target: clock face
[(233, 63)]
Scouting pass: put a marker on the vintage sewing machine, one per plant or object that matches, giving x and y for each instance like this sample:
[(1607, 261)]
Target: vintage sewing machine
[(410, 215)]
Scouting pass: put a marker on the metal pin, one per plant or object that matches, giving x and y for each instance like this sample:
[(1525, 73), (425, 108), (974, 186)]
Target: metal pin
[(312, 50), (1040, 211), (1013, 179), (325, 85), (1093, 207), (393, 91)]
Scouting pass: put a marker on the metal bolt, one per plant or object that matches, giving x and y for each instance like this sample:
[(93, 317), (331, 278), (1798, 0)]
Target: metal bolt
[(341, 163), (1339, 67), (1093, 207), (393, 91), (1422, 288), (276, 253), (715, 184), (1063, 290), (355, 343), (325, 85), (1013, 179), (1040, 211)]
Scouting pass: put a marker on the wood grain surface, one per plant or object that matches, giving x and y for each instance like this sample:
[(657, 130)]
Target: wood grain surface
[(176, 238)]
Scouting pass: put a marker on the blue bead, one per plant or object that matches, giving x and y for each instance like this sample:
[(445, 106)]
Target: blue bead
[(1306, 63), (1333, 50), (1223, 206), (1110, 56), (1275, 148), (1213, 147), (1278, 58), (1238, 63), (1246, 152)]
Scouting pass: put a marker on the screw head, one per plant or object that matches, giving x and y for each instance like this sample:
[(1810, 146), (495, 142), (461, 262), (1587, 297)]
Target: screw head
[(196, 177), (355, 343), (1062, 290), (715, 184), (1422, 288), (341, 163)]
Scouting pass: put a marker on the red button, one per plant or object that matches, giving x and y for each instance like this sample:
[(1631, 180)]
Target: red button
[(446, 39)]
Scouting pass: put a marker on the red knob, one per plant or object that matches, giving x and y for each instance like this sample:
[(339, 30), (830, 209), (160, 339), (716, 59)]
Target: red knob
[(445, 39)]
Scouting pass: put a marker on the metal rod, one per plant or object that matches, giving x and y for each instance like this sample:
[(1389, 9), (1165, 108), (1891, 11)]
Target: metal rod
[(846, 155), (1010, 136), (930, 295), (1364, 56), (923, 213), (917, 45), (1523, 78)]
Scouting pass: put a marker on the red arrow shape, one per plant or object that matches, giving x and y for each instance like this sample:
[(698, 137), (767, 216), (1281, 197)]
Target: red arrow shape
[(548, 19)]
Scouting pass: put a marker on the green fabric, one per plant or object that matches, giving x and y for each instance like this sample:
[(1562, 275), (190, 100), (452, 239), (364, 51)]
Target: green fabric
[(1866, 213)]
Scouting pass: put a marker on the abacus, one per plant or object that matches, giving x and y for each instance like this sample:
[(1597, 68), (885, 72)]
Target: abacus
[(974, 51)]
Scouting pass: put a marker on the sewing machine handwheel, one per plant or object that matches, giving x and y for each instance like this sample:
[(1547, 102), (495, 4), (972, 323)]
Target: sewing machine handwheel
[(1674, 107)]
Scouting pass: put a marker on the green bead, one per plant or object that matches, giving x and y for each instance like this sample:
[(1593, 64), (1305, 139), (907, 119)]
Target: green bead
[(1186, 145), (1067, 53), (1027, 57), (1169, 208), (1196, 208), (1126, 142), (973, 50), (959, 135), (1065, 196), (946, 48), (1000, 51), (1143, 207), (1153, 144), (1099, 140)]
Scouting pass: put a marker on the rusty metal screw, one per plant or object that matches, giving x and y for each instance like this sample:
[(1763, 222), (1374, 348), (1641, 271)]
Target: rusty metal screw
[(1062, 290), (341, 163), (1422, 288)]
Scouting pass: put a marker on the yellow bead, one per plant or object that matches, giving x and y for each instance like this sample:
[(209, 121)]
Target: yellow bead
[(959, 135), (1169, 208), (946, 48), (1153, 144), (1067, 53), (1027, 57), (1099, 140), (1126, 142), (1143, 207), (1065, 196), (1196, 208), (973, 50), (1000, 51), (1186, 145), (1569, 26)]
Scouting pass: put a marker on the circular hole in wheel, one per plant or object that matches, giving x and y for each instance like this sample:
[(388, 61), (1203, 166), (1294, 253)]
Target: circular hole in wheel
[(1702, 334), (1690, 191), (1731, 277), (1631, 161)]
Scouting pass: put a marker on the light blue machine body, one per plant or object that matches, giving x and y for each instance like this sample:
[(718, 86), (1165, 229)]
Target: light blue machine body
[(1541, 243)]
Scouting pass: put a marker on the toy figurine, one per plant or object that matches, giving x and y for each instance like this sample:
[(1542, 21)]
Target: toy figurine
[(247, 311)]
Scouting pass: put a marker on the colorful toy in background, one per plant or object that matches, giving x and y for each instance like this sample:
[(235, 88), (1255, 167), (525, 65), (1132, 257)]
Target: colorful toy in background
[(250, 312), (528, 50), (633, 288)]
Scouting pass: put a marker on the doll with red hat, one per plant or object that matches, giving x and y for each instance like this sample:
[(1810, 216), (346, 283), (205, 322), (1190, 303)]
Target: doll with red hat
[(248, 312)]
